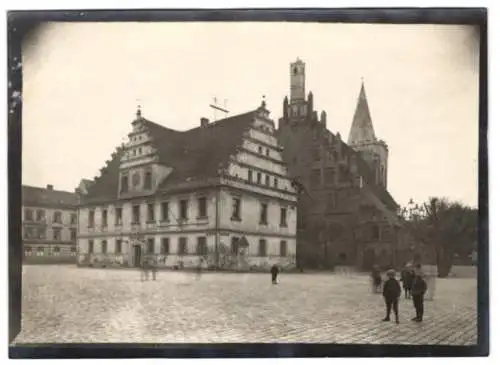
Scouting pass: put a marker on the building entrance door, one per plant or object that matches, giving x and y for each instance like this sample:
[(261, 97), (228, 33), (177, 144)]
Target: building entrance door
[(137, 255)]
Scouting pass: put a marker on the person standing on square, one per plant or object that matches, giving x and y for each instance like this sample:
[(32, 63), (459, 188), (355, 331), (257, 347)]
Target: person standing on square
[(391, 293)]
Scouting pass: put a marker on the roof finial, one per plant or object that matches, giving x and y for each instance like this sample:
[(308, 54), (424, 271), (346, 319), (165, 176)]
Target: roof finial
[(138, 113), (263, 104)]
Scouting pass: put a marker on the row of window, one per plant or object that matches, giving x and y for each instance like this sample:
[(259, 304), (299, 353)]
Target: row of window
[(151, 212), (136, 179), (41, 233), (261, 178), (39, 216), (236, 213), (182, 246), (41, 251), (183, 212)]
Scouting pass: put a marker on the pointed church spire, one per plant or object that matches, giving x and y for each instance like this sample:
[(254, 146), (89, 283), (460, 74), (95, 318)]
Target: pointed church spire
[(362, 127)]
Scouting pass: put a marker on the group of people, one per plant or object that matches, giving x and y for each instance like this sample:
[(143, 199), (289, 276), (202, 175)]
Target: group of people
[(148, 264), (414, 287)]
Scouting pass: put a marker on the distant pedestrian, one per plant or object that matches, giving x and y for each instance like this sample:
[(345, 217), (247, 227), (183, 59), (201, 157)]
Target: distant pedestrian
[(418, 290), (407, 277), (144, 269), (376, 280), (274, 274), (391, 293), (199, 268), (153, 267)]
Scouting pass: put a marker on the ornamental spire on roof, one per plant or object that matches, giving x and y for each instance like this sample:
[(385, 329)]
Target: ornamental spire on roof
[(362, 127)]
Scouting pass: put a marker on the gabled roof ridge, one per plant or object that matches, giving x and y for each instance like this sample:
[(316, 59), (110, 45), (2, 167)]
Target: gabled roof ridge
[(45, 189)]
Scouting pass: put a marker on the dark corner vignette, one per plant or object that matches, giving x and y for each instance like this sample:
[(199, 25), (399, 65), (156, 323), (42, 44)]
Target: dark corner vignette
[(22, 29)]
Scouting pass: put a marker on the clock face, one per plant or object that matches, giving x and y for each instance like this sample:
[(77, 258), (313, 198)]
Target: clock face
[(136, 179)]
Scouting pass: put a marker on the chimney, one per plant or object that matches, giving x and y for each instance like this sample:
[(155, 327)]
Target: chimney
[(50, 187), (204, 122)]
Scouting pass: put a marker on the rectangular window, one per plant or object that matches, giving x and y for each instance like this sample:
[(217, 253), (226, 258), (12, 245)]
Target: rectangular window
[(182, 248), (262, 248), (57, 234), (315, 178), (151, 245), (91, 218), (136, 214), (259, 177), (91, 246), (124, 184), (73, 234), (28, 214), (183, 209), (104, 246), (250, 175), (329, 176), (73, 218), (267, 152), (263, 213), (164, 211), (236, 211), (148, 180), (283, 249), (283, 217), (202, 207), (104, 217), (276, 182), (57, 217), (151, 212), (165, 245), (28, 232), (118, 216), (40, 215), (118, 246), (267, 180), (42, 233), (201, 247)]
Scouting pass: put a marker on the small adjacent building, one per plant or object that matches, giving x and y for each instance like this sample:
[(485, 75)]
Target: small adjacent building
[(49, 225), (220, 192)]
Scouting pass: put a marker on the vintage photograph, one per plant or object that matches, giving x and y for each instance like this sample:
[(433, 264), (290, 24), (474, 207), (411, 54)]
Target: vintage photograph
[(250, 182)]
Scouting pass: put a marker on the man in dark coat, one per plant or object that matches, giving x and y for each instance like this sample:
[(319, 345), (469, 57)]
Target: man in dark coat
[(376, 279), (391, 293), (274, 274), (418, 290), (407, 277)]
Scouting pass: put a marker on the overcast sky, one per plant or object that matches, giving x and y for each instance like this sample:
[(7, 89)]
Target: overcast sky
[(82, 83)]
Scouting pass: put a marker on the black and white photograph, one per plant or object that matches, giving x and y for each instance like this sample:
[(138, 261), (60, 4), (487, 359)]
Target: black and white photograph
[(249, 182)]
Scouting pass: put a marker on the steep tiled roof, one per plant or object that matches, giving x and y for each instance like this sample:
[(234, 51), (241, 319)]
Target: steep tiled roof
[(35, 196), (194, 154), (106, 185)]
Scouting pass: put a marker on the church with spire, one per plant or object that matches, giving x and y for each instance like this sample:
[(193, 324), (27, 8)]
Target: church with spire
[(346, 215)]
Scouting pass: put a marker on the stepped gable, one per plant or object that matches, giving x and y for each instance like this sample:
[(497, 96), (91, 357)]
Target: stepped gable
[(35, 196)]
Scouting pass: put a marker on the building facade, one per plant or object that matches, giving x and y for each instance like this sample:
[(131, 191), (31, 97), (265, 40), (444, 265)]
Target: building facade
[(49, 225), (346, 214), (220, 192)]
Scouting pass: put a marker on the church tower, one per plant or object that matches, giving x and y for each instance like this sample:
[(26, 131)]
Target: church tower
[(298, 108), (362, 138)]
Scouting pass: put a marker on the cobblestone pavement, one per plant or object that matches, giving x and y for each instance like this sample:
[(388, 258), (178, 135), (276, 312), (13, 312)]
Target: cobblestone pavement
[(69, 304)]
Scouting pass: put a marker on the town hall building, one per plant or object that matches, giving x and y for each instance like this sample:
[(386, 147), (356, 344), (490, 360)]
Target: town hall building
[(346, 215), (220, 192)]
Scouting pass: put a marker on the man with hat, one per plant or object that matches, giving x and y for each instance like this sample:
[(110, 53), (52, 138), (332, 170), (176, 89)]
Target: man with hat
[(391, 293)]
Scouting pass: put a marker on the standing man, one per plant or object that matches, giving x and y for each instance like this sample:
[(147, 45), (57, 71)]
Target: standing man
[(418, 290), (274, 274)]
